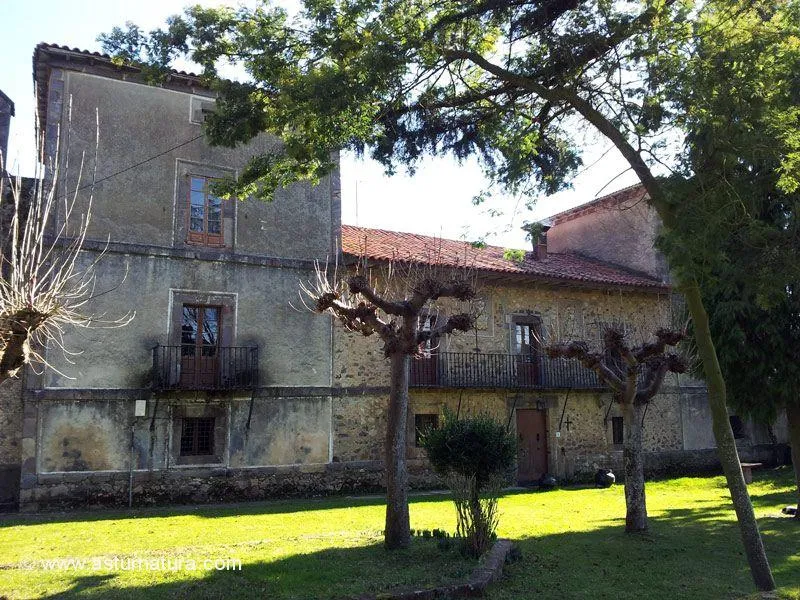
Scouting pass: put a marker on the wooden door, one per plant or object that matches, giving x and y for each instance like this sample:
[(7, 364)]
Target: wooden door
[(532, 433), (200, 346), (527, 336)]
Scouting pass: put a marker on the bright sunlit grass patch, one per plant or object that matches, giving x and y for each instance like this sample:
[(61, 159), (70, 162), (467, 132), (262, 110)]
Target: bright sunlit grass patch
[(572, 541)]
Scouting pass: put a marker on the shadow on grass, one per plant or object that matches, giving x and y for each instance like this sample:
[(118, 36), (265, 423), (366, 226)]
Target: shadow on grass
[(687, 553), (330, 573), (212, 511)]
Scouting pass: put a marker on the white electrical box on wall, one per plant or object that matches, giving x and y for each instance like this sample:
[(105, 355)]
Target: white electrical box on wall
[(558, 434), (141, 408)]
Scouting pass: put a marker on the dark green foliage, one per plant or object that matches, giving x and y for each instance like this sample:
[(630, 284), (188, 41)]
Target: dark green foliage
[(476, 446), (739, 211), (398, 79), (474, 455)]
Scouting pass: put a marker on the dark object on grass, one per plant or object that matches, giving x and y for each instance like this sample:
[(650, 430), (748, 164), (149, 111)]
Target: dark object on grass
[(604, 478), (789, 510), (547, 482)]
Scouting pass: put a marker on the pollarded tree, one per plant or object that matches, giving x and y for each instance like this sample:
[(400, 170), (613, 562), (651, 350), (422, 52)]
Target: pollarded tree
[(46, 285), (505, 80), (634, 374), (395, 319)]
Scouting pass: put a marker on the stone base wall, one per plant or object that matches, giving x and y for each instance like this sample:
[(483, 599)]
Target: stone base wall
[(680, 463), (10, 442), (64, 491)]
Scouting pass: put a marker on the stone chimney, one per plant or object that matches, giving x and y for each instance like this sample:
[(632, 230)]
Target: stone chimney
[(537, 232), (6, 112)]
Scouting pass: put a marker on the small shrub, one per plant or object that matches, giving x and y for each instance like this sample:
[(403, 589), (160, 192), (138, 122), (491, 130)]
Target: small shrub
[(474, 455)]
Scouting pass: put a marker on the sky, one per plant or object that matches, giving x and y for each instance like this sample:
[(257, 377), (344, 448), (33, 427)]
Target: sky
[(437, 200)]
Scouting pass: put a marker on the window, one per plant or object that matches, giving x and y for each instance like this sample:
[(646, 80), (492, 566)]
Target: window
[(617, 431), (205, 213), (526, 342), (738, 427), (199, 108), (527, 337), (423, 423), (431, 345), (197, 436)]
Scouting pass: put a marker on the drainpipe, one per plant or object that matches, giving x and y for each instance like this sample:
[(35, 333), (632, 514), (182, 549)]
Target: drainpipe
[(130, 468)]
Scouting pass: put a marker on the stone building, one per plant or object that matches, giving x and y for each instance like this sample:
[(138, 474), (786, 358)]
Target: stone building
[(566, 422), (218, 387), (221, 389), (621, 228)]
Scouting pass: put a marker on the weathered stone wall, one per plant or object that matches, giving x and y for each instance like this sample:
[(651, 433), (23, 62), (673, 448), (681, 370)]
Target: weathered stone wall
[(359, 427), (147, 203), (622, 234), (566, 314), (203, 485), (69, 442), (6, 112), (10, 442), (294, 346)]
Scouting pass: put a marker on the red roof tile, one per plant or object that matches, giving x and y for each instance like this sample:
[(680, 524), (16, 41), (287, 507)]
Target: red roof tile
[(379, 244)]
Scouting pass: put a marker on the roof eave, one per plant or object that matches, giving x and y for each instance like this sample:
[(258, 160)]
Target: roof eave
[(520, 277)]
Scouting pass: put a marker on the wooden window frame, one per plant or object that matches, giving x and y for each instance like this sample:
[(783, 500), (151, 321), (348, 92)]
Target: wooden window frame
[(535, 325), (202, 427), (204, 238)]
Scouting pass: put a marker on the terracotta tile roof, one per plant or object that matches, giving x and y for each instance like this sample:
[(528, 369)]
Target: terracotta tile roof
[(379, 244)]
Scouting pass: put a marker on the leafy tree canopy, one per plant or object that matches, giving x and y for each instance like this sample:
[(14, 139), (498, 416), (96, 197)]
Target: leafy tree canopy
[(738, 198), (400, 79)]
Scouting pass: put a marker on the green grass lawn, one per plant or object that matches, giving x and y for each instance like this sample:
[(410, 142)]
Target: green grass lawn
[(572, 542)]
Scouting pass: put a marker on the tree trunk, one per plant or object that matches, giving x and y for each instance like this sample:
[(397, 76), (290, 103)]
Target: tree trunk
[(398, 526), (726, 445), (633, 458), (793, 418), (14, 353)]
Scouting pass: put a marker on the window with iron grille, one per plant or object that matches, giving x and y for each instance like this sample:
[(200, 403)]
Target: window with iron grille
[(737, 425), (422, 423), (617, 431), (197, 436)]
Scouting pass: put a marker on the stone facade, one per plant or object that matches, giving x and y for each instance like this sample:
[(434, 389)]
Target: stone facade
[(111, 427), (10, 442), (122, 420), (678, 437)]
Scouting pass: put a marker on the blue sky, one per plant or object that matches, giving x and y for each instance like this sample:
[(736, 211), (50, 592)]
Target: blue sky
[(435, 201)]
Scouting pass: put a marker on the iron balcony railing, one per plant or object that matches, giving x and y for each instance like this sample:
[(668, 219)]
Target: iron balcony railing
[(191, 367), (513, 371)]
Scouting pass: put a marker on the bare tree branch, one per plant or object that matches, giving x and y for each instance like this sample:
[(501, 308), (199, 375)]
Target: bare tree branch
[(44, 288), (459, 322)]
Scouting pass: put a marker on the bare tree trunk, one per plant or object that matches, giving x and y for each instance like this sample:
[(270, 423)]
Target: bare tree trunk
[(398, 525), (726, 447), (793, 418), (633, 458), (14, 352), (726, 444)]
